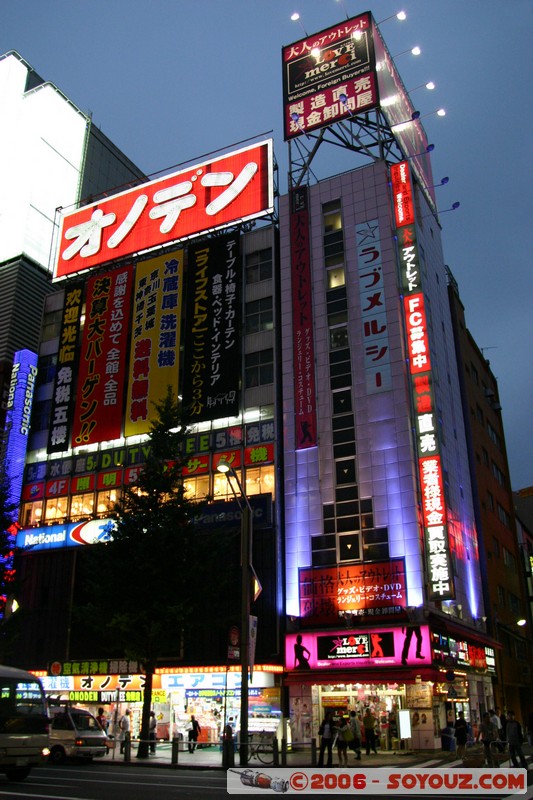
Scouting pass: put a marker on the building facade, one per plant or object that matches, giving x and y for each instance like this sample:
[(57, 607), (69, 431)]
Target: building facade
[(51, 156), (314, 346), (502, 549)]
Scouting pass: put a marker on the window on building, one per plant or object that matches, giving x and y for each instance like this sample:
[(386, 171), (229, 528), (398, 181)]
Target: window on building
[(509, 559), (196, 487), (496, 546), (474, 373), (82, 505), (376, 544), (260, 480), (493, 435), (490, 501), (333, 234), (259, 315), (47, 369), (105, 502), (350, 547), (259, 368), (51, 325), (258, 266), (335, 277), (32, 514), (338, 337), (501, 596), (498, 474), (503, 516), (56, 509), (40, 415), (514, 604)]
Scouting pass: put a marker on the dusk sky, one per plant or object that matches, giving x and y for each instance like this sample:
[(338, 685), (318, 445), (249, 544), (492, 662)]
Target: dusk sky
[(171, 81)]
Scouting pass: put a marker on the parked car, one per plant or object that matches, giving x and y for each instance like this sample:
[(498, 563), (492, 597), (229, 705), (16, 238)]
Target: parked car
[(24, 723), (75, 733)]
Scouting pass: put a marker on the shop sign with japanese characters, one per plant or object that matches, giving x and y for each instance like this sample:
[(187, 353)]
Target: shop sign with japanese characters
[(362, 590), (207, 196), (212, 336), (63, 396), (436, 538), (328, 76), (376, 349), (101, 380), (155, 338), (302, 321)]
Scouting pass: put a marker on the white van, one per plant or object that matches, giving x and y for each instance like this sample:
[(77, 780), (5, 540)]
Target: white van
[(24, 723), (75, 733)]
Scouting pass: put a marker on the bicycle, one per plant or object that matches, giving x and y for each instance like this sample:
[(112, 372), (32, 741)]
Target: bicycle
[(263, 749)]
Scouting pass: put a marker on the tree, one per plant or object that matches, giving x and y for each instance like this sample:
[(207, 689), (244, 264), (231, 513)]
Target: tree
[(139, 581)]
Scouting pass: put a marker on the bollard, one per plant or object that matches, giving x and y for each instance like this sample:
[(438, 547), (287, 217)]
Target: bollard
[(175, 751), (228, 753), (275, 751), (313, 752), (283, 752)]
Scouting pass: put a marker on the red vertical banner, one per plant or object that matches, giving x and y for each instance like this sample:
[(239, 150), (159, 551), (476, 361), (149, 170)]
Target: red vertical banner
[(102, 374), (302, 321)]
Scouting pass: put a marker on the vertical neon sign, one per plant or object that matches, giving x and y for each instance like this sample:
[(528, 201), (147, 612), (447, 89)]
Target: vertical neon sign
[(437, 548)]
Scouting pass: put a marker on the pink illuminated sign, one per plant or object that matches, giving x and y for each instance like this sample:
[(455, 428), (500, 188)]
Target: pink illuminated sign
[(408, 645)]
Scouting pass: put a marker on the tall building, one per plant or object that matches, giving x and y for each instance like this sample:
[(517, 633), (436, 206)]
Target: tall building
[(51, 157), (313, 346), (502, 558)]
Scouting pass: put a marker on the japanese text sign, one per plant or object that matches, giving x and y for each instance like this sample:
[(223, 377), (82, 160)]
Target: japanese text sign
[(99, 400), (329, 75), (235, 187)]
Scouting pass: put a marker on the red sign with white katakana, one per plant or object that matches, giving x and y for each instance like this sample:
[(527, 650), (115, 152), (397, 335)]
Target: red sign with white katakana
[(214, 194)]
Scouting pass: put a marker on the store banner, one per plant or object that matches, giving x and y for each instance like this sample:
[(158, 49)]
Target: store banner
[(101, 380), (155, 338), (213, 335), (302, 321), (64, 396)]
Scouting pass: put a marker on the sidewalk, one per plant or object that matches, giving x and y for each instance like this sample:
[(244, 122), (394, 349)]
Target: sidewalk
[(210, 757)]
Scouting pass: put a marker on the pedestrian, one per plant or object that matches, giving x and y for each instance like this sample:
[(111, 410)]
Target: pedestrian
[(194, 733), (102, 719), (461, 734), (515, 739), (495, 719), (125, 730), (326, 732), (503, 724), (369, 724), (355, 745), (488, 733), (152, 731), (344, 736)]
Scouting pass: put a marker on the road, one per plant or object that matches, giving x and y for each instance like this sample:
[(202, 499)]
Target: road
[(109, 782), (106, 782)]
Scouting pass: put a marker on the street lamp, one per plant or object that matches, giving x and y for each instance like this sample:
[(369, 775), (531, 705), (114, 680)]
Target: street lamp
[(246, 574)]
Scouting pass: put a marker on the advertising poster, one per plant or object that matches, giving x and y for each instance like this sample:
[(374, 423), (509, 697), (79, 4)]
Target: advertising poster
[(155, 339)]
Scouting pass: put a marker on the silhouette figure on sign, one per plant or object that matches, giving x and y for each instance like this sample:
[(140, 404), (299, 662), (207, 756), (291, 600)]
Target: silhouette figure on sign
[(301, 654), (409, 631)]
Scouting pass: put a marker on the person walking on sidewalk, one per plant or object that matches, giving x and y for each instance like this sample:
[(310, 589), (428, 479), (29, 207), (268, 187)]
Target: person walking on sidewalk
[(326, 732), (369, 724), (488, 733), (194, 733), (355, 744), (461, 734), (515, 739)]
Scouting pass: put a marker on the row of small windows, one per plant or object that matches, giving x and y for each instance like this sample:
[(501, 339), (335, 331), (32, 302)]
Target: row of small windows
[(58, 510)]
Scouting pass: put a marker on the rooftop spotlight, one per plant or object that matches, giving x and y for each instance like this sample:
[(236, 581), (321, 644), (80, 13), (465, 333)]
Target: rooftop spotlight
[(296, 18)]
